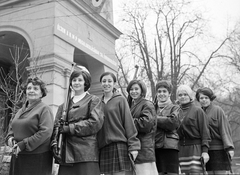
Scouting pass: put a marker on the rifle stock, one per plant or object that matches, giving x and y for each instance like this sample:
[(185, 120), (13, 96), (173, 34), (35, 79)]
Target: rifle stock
[(229, 162), (64, 115), (203, 166)]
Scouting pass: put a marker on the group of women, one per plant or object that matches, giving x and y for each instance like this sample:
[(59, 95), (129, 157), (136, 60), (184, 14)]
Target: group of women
[(112, 135)]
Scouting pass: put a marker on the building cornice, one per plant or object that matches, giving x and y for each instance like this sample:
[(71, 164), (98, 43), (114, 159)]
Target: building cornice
[(97, 18), (8, 2)]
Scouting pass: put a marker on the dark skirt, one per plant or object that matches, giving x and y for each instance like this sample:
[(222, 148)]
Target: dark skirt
[(218, 161), (83, 168), (167, 160), (114, 158), (189, 159), (31, 164)]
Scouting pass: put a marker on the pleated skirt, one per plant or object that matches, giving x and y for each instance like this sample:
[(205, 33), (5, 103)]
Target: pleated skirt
[(189, 159), (114, 158)]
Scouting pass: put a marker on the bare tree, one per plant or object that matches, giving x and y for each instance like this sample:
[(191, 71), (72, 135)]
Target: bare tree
[(11, 82), (159, 35)]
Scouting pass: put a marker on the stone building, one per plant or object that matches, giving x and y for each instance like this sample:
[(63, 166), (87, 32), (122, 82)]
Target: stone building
[(58, 33)]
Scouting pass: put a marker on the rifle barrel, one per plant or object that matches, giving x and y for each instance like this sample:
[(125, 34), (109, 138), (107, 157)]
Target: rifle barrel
[(64, 113)]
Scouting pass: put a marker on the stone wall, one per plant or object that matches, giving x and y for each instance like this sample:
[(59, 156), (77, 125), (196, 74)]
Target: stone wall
[(5, 158)]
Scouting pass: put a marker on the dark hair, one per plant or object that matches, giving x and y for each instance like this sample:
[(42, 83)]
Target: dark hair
[(141, 85), (36, 81), (108, 73), (86, 76), (205, 91), (166, 84)]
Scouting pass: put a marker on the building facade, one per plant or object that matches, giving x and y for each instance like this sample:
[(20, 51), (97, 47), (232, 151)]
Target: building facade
[(55, 34)]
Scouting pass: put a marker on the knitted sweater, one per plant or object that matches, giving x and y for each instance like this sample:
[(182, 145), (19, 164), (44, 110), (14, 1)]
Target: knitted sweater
[(118, 124), (32, 128), (194, 126)]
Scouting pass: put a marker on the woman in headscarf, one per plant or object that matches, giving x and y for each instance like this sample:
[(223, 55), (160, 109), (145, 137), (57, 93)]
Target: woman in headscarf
[(193, 132), (144, 117), (221, 149), (166, 146)]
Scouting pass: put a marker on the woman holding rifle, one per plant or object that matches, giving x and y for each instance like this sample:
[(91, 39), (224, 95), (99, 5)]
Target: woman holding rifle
[(221, 149), (84, 119)]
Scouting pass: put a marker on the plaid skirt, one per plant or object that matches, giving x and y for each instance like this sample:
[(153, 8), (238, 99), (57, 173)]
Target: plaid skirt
[(218, 161), (189, 159), (114, 158)]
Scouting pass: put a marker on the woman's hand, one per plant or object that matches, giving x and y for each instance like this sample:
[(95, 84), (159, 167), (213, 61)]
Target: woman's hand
[(16, 150), (205, 157), (64, 129), (231, 153), (11, 142), (56, 153), (134, 154)]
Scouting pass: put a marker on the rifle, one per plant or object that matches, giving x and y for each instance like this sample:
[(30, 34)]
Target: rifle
[(132, 163), (229, 162), (64, 115), (136, 70), (203, 165)]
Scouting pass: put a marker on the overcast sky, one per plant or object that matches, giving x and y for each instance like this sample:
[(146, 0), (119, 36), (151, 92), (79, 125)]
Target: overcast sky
[(222, 13)]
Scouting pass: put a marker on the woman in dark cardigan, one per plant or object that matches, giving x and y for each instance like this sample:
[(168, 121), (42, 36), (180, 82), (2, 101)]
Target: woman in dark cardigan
[(144, 117), (193, 132), (221, 145), (30, 133)]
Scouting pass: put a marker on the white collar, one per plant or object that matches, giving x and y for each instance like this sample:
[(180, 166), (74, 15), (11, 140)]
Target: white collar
[(77, 98)]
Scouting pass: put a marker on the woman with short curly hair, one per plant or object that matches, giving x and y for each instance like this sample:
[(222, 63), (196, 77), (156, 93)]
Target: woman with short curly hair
[(30, 133)]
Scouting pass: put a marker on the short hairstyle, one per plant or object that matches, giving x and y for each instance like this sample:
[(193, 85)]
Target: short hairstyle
[(187, 89), (108, 73), (166, 84), (36, 81), (86, 76), (205, 91)]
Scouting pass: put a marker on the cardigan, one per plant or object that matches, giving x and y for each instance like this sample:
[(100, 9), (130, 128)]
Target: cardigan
[(32, 128), (194, 126), (220, 130)]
